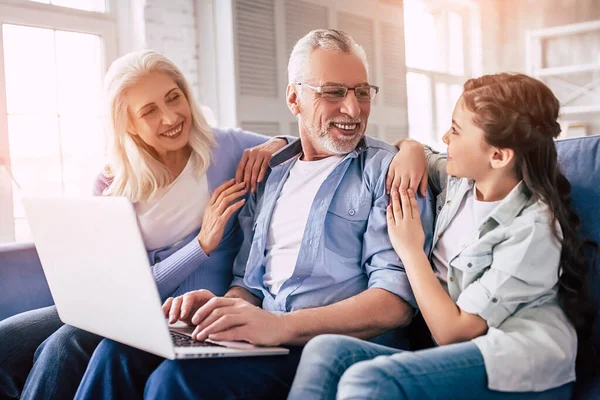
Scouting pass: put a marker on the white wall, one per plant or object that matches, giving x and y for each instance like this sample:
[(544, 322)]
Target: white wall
[(171, 30), (167, 26)]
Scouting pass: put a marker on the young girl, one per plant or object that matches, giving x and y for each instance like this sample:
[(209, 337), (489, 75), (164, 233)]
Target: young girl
[(505, 299)]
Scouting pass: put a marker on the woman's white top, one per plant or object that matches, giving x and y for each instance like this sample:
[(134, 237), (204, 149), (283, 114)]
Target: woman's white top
[(175, 211)]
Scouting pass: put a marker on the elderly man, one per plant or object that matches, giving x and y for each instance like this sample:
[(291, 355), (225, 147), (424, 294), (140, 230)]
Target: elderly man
[(316, 256)]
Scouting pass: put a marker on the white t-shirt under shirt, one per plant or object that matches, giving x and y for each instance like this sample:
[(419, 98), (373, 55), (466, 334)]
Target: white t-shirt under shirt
[(461, 231), (290, 216), (175, 211)]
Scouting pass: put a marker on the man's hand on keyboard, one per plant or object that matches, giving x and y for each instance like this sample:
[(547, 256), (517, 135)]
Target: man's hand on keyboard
[(233, 319), (183, 308)]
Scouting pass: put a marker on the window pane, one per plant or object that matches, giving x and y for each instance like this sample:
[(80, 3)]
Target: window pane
[(456, 45), (420, 32), (87, 5), (30, 70), (82, 153), (445, 98), (79, 71), (55, 136), (35, 152), (419, 107), (35, 157)]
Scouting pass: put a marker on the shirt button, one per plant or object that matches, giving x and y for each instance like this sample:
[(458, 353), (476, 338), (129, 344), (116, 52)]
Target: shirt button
[(494, 300), (451, 279), (351, 212), (448, 202), (469, 265), (439, 208)]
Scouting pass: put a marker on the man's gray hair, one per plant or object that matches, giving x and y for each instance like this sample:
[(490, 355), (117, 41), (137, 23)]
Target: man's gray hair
[(327, 39)]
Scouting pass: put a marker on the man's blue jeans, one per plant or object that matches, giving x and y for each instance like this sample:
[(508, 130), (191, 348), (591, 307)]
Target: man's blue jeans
[(334, 366), (42, 358), (117, 371)]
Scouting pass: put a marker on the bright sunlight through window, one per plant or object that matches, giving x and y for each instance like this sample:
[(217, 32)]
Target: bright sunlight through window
[(436, 65), (53, 93)]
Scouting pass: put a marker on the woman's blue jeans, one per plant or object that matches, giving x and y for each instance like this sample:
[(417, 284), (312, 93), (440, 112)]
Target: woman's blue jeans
[(334, 366), (41, 358)]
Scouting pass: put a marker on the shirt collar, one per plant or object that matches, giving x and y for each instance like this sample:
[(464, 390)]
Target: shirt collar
[(512, 205), (295, 148)]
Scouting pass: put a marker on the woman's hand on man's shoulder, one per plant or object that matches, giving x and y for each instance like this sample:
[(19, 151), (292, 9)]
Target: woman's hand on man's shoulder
[(255, 163)]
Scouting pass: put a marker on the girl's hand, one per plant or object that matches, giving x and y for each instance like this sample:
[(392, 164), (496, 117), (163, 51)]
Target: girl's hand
[(221, 206), (408, 168), (404, 224), (255, 162)]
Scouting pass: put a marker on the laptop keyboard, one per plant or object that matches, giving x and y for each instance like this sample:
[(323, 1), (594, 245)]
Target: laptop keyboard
[(181, 340)]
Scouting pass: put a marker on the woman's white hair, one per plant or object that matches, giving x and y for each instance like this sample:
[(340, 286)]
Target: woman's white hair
[(135, 171), (327, 39)]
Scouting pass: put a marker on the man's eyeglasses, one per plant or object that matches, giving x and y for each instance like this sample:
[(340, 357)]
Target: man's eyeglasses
[(338, 93)]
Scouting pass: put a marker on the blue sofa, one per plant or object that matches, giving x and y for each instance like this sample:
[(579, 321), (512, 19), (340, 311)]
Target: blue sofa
[(23, 286)]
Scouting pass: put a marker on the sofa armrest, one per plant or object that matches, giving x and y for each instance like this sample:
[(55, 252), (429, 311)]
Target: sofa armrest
[(23, 285)]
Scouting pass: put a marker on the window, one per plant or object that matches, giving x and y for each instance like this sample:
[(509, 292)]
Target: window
[(50, 102), (439, 59), (87, 5)]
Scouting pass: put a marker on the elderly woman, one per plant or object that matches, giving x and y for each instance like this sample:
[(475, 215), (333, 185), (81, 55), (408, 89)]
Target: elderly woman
[(181, 176)]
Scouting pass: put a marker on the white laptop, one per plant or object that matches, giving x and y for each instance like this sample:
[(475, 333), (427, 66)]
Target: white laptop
[(94, 259)]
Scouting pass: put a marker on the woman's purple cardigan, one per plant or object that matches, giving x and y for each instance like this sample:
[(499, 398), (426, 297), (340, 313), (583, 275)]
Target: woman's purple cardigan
[(185, 267)]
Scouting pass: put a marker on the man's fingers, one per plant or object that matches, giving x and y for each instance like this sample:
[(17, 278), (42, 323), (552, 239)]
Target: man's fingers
[(216, 314), (210, 306), (175, 309), (166, 307), (221, 324), (191, 301), (234, 334), (189, 304)]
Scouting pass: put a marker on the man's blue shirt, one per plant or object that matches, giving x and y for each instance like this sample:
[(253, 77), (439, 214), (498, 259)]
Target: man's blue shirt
[(345, 247)]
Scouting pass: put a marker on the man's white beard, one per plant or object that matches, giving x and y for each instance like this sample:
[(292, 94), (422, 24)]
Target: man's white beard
[(326, 142)]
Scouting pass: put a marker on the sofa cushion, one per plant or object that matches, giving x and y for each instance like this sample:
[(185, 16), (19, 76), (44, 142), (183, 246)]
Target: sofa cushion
[(580, 162), (23, 285)]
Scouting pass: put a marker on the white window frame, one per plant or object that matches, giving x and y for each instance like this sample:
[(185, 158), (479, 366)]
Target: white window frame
[(23, 12), (472, 51), (534, 65)]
